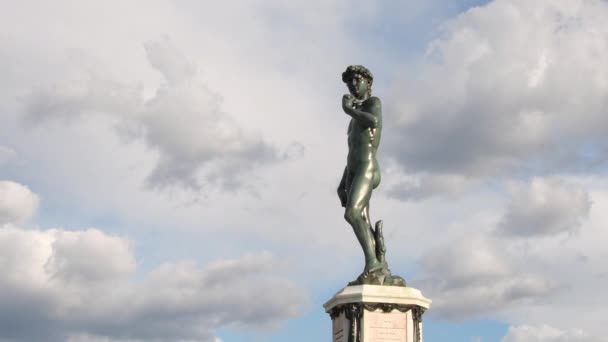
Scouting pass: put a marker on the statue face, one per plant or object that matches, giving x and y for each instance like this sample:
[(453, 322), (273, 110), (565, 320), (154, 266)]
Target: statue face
[(358, 86)]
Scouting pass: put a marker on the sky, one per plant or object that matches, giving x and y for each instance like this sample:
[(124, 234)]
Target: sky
[(168, 168)]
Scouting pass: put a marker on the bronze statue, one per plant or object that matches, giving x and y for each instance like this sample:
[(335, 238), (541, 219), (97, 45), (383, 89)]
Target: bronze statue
[(362, 173)]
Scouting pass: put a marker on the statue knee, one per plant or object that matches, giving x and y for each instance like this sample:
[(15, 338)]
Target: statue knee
[(351, 215)]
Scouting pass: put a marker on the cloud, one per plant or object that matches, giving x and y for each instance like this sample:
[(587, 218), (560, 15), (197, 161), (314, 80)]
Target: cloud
[(17, 202), (510, 86), (546, 333), (475, 275), (545, 207), (473, 269), (88, 257), (92, 338), (6, 154), (83, 286), (197, 143), (478, 259), (425, 186)]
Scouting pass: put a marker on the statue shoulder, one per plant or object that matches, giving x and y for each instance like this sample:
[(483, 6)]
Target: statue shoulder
[(374, 104), (374, 100)]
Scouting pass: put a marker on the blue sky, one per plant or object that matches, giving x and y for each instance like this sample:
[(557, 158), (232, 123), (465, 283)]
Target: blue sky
[(168, 168)]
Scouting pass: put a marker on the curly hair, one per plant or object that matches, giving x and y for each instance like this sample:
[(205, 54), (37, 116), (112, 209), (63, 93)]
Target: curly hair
[(353, 70)]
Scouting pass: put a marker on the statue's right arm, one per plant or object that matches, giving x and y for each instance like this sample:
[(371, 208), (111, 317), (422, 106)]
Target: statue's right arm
[(371, 119)]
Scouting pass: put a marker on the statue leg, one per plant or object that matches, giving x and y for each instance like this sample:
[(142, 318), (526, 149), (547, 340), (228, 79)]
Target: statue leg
[(358, 199), (369, 223)]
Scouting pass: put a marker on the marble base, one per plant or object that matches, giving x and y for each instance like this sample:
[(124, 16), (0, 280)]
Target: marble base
[(372, 313)]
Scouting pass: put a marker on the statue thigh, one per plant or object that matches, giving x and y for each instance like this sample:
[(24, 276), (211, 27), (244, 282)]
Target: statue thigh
[(360, 190)]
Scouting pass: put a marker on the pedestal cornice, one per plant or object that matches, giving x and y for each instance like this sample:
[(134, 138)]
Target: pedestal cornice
[(406, 296)]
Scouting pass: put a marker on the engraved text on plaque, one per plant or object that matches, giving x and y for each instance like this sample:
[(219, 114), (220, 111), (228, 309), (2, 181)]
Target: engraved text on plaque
[(385, 327)]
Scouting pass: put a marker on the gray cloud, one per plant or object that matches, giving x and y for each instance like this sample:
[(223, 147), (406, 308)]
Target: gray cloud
[(197, 143), (17, 202), (88, 257), (510, 86), (6, 154), (81, 284), (93, 338), (545, 207), (529, 280), (546, 333), (424, 186), (476, 275)]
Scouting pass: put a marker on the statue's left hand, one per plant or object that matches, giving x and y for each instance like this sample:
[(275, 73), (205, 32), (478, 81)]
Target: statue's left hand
[(347, 102)]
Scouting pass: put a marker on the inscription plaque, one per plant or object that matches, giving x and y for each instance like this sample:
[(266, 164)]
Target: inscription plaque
[(385, 327)]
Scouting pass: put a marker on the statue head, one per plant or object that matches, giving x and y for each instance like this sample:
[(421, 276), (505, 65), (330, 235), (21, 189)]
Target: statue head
[(359, 81)]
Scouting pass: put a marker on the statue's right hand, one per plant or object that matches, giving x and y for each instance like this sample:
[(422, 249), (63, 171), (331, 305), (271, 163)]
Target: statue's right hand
[(347, 101)]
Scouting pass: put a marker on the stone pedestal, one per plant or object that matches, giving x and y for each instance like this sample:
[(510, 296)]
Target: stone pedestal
[(372, 313)]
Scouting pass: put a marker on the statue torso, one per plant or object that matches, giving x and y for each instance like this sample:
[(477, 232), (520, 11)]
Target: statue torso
[(363, 141)]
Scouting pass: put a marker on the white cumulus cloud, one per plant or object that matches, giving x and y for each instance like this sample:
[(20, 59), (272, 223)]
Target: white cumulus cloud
[(17, 202), (83, 286), (514, 85), (197, 143)]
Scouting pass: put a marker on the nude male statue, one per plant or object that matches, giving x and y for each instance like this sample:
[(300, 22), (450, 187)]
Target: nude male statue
[(362, 173)]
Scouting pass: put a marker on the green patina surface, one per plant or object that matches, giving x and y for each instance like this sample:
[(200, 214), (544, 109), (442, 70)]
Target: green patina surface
[(362, 174)]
